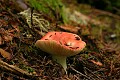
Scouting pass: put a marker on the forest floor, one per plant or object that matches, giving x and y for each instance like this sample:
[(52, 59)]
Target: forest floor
[(21, 60)]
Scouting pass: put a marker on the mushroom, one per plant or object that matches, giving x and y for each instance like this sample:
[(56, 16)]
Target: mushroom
[(61, 45)]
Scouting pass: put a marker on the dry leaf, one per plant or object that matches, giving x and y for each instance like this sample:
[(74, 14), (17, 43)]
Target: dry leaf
[(5, 54), (70, 28), (96, 62)]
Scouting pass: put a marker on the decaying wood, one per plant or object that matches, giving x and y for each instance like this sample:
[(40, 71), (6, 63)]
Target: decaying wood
[(15, 70)]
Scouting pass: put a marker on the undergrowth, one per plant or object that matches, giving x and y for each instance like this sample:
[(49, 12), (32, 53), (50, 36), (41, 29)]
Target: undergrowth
[(53, 8)]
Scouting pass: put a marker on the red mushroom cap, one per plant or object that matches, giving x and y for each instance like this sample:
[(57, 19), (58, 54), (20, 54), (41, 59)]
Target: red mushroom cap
[(61, 43)]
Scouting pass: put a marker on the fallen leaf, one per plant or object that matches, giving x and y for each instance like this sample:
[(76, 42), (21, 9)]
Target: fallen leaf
[(5, 54), (70, 28), (96, 62)]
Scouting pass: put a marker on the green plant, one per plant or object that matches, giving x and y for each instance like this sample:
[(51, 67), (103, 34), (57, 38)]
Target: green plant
[(55, 8)]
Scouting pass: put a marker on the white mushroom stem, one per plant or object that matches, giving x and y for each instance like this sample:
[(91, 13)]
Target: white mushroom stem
[(61, 60)]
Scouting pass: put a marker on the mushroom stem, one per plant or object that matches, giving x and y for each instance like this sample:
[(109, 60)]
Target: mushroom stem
[(61, 60)]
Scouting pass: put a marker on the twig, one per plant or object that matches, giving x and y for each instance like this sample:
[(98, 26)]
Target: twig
[(107, 13), (15, 70), (81, 73), (93, 73)]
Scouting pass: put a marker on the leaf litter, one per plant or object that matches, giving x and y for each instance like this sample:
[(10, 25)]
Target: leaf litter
[(99, 61)]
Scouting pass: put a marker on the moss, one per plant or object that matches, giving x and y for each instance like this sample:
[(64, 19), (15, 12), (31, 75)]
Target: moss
[(55, 8)]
